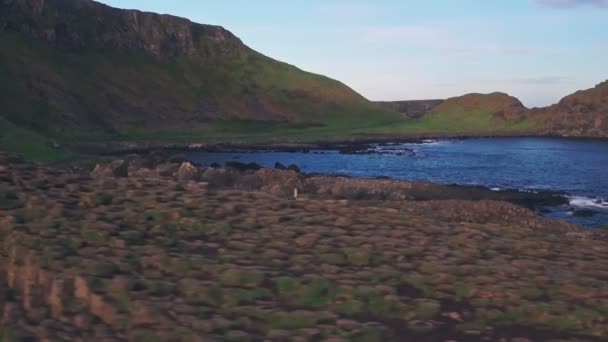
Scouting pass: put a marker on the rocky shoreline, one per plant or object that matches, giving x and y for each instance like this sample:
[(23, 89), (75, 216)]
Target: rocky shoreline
[(282, 180), (155, 247)]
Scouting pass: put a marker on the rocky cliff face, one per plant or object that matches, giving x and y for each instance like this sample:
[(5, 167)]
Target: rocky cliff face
[(582, 113), (83, 24)]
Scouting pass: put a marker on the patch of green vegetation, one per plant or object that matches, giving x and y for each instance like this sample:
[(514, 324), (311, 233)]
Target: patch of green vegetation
[(285, 284), (67, 247), (8, 334), (379, 306), (188, 212), (98, 285), (513, 316), (463, 291), (134, 262), (426, 311), (418, 283), (132, 237), (350, 308), (160, 288), (147, 336), (370, 334), (216, 294), (153, 216), (456, 120), (218, 232), (26, 142), (89, 235), (104, 269), (534, 294), (242, 278), (333, 259), (358, 257), (75, 305), (202, 312), (318, 293), (10, 294), (9, 199), (294, 320), (565, 323), (121, 299), (251, 296), (477, 325), (105, 198)]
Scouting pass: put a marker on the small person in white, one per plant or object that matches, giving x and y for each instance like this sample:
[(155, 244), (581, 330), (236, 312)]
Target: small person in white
[(295, 193)]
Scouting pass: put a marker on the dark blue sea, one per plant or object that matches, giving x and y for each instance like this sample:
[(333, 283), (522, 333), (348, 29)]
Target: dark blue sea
[(578, 167)]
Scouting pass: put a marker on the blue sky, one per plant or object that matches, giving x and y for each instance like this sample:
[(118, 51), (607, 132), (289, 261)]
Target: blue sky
[(536, 50)]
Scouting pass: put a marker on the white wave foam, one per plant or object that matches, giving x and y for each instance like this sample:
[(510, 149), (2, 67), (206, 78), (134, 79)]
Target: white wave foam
[(588, 202), (496, 189), (430, 142)]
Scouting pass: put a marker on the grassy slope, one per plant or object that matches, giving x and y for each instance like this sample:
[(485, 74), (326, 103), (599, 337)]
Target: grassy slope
[(28, 143), (317, 108), (188, 85)]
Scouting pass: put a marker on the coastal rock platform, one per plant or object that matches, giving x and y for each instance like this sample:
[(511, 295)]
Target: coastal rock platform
[(223, 254)]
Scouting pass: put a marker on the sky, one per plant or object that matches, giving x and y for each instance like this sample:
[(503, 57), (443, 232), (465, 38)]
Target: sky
[(536, 50)]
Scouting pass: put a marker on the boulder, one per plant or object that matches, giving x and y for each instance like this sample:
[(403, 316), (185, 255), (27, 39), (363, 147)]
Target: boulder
[(280, 166), (242, 167), (280, 182), (121, 170), (218, 177), (188, 172), (118, 168), (101, 171), (293, 167)]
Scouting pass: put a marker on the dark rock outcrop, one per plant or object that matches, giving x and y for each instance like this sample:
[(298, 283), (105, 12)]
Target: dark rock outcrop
[(242, 166)]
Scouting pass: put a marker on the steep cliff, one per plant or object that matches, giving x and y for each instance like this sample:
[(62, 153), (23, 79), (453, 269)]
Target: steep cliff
[(86, 25), (78, 65)]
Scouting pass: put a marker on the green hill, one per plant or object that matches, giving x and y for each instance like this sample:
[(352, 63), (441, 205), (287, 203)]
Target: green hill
[(77, 69)]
